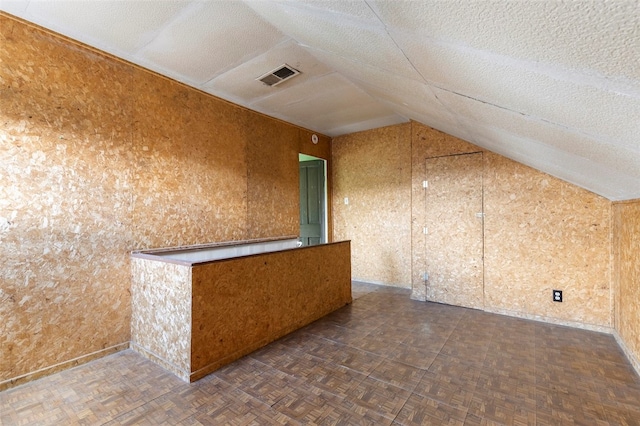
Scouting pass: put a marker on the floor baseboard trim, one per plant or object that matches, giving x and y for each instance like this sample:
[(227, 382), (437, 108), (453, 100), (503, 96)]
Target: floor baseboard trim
[(395, 285), (551, 320), (157, 359), (56, 368), (635, 363)]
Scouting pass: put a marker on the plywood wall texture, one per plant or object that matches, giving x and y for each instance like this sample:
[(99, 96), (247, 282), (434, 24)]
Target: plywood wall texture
[(190, 165), (65, 211), (541, 234), (627, 275), (161, 315), (427, 143), (453, 230), (98, 158), (273, 182), (261, 298), (321, 149), (538, 233), (372, 169)]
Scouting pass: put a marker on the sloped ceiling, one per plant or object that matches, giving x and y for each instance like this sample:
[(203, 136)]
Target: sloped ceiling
[(552, 84)]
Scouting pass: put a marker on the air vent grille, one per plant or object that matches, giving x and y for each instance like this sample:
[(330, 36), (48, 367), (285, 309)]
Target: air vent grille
[(279, 75)]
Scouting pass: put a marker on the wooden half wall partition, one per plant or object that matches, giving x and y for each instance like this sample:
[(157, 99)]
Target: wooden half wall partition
[(193, 318)]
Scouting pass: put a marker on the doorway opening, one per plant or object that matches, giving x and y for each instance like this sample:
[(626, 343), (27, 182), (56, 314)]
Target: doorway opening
[(313, 200)]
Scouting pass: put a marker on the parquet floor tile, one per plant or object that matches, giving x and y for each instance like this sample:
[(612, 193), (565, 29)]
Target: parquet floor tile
[(384, 360), (420, 410)]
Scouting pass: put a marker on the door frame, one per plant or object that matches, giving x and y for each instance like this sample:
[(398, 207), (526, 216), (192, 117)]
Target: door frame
[(420, 227), (325, 202)]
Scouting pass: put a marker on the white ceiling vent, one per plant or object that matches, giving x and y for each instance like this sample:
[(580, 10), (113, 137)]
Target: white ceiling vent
[(279, 75)]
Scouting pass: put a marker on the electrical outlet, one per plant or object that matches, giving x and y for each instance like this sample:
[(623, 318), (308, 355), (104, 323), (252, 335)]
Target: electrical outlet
[(557, 295)]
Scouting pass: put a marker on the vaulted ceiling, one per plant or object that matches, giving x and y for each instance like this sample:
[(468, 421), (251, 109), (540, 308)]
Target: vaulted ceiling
[(552, 84)]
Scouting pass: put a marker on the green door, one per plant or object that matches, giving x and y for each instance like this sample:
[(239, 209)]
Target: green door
[(312, 202)]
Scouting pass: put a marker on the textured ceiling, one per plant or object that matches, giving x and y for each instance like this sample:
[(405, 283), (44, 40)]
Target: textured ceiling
[(552, 84)]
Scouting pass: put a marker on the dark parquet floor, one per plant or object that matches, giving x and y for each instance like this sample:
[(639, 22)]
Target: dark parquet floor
[(384, 360)]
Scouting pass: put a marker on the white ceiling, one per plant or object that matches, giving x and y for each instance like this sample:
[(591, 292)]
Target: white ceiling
[(552, 84)]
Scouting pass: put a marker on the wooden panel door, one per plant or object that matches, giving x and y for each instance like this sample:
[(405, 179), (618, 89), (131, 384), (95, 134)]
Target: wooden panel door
[(312, 202), (454, 230)]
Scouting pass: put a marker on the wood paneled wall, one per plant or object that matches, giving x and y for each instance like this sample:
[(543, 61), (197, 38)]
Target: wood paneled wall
[(540, 233), (98, 158), (427, 143), (626, 251), (372, 171)]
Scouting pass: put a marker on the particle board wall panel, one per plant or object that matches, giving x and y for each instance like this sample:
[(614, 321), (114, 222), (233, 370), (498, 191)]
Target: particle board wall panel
[(273, 196), (263, 297), (100, 158), (322, 149), (454, 231), (191, 168), (161, 312), (218, 163), (64, 209), (372, 170), (426, 143), (627, 275), (542, 233), (558, 222)]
